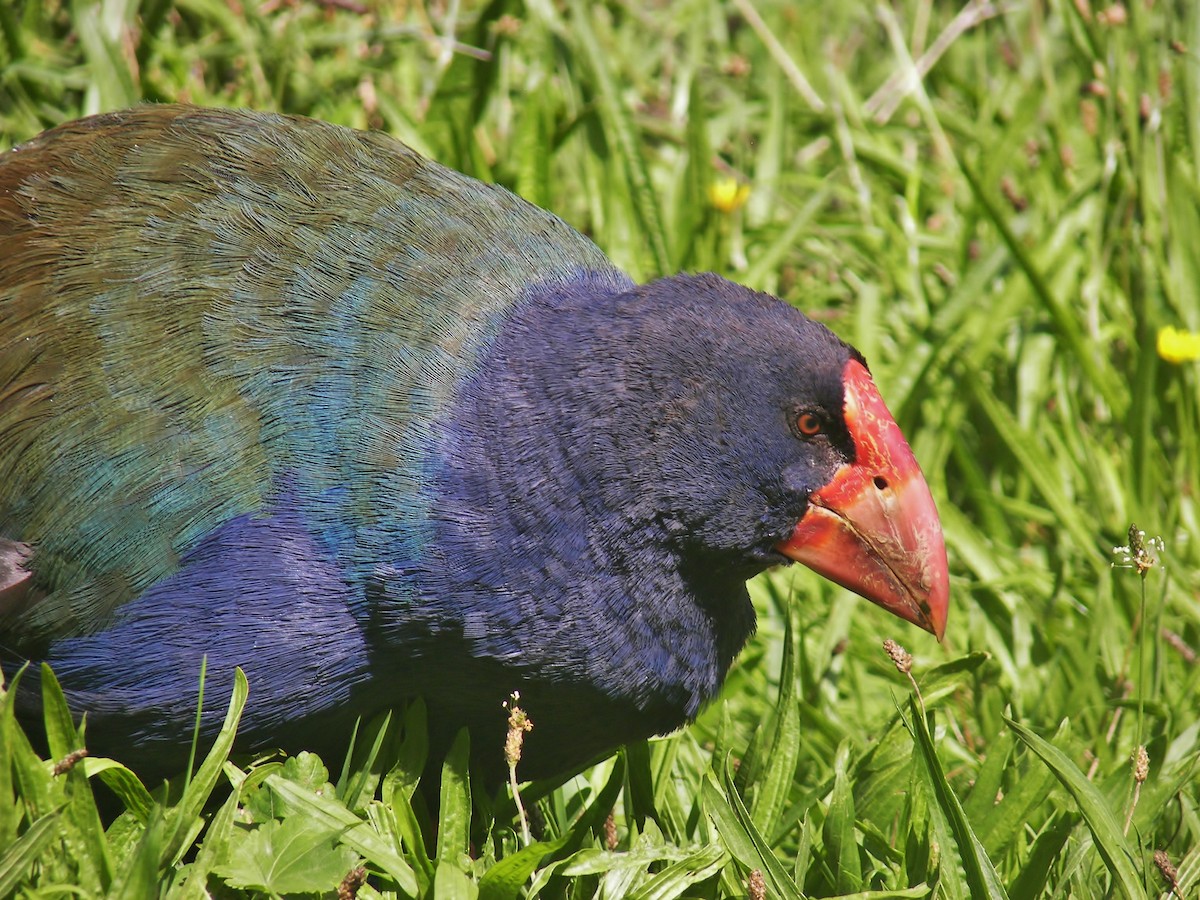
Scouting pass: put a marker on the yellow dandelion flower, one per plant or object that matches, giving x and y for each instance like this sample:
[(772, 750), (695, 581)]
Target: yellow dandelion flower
[(1176, 345), (727, 194)]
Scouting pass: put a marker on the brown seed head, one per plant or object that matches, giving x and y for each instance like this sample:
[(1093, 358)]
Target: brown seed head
[(518, 724), (506, 26), (898, 655), (355, 878), (1141, 764), (1169, 873), (756, 886), (611, 840), (736, 66), (67, 763)]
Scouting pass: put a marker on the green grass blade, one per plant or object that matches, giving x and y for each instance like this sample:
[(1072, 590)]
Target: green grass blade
[(1045, 853), (80, 814), (139, 877), (1038, 467), (771, 790), (743, 841), (676, 878), (212, 851), (124, 783), (1103, 379), (1110, 840), (19, 857), (507, 879), (980, 874), (61, 734), (841, 848), (620, 130), (183, 821), (454, 824)]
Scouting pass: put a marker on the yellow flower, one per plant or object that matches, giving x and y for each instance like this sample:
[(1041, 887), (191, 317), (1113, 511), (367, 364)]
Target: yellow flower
[(727, 194), (1178, 346)]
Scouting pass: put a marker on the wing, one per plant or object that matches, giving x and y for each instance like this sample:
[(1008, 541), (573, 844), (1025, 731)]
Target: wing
[(202, 311)]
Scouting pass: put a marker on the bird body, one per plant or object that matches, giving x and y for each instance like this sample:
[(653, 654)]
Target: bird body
[(291, 397)]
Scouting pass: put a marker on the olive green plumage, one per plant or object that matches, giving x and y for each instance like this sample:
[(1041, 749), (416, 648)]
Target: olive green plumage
[(255, 318)]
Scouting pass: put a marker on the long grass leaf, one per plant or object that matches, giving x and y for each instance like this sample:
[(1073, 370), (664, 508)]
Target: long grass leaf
[(981, 877), (1110, 840), (620, 129), (17, 859), (1088, 356), (184, 823), (506, 879), (676, 878), (744, 842)]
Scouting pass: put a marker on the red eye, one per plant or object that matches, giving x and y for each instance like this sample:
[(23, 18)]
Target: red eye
[(808, 424)]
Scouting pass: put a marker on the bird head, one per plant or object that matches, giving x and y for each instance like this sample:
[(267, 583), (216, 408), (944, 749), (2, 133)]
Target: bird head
[(776, 446), (693, 426), (873, 527)]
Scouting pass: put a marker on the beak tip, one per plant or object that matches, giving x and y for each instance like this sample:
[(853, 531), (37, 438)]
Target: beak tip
[(937, 627), (935, 606)]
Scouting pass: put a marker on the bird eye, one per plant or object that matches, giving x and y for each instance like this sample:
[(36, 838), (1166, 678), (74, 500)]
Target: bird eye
[(808, 424)]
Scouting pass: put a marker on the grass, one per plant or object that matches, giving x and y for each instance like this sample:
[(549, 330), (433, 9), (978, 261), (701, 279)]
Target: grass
[(1003, 237)]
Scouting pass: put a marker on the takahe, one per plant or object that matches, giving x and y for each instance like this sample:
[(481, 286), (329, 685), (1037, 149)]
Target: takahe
[(291, 396)]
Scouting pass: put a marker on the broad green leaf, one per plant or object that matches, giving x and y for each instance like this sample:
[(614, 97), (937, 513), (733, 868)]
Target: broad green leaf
[(451, 883), (354, 832), (296, 856)]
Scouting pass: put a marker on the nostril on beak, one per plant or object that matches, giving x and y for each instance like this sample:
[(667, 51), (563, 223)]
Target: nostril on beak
[(881, 482)]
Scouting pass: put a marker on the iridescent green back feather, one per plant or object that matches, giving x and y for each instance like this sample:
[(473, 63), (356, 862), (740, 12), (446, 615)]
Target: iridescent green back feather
[(200, 309)]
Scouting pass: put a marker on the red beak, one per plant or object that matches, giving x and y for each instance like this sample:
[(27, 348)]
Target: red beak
[(874, 529)]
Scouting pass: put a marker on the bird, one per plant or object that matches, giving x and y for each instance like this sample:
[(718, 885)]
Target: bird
[(281, 395)]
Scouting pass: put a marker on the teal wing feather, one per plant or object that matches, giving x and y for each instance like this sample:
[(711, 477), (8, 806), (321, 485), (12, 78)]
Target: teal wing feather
[(200, 308)]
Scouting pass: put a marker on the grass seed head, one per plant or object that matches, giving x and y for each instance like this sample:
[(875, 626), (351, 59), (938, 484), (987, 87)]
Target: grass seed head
[(67, 763), (1141, 764), (355, 878), (1141, 553), (756, 886), (518, 724), (901, 657), (611, 839), (1169, 873)]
